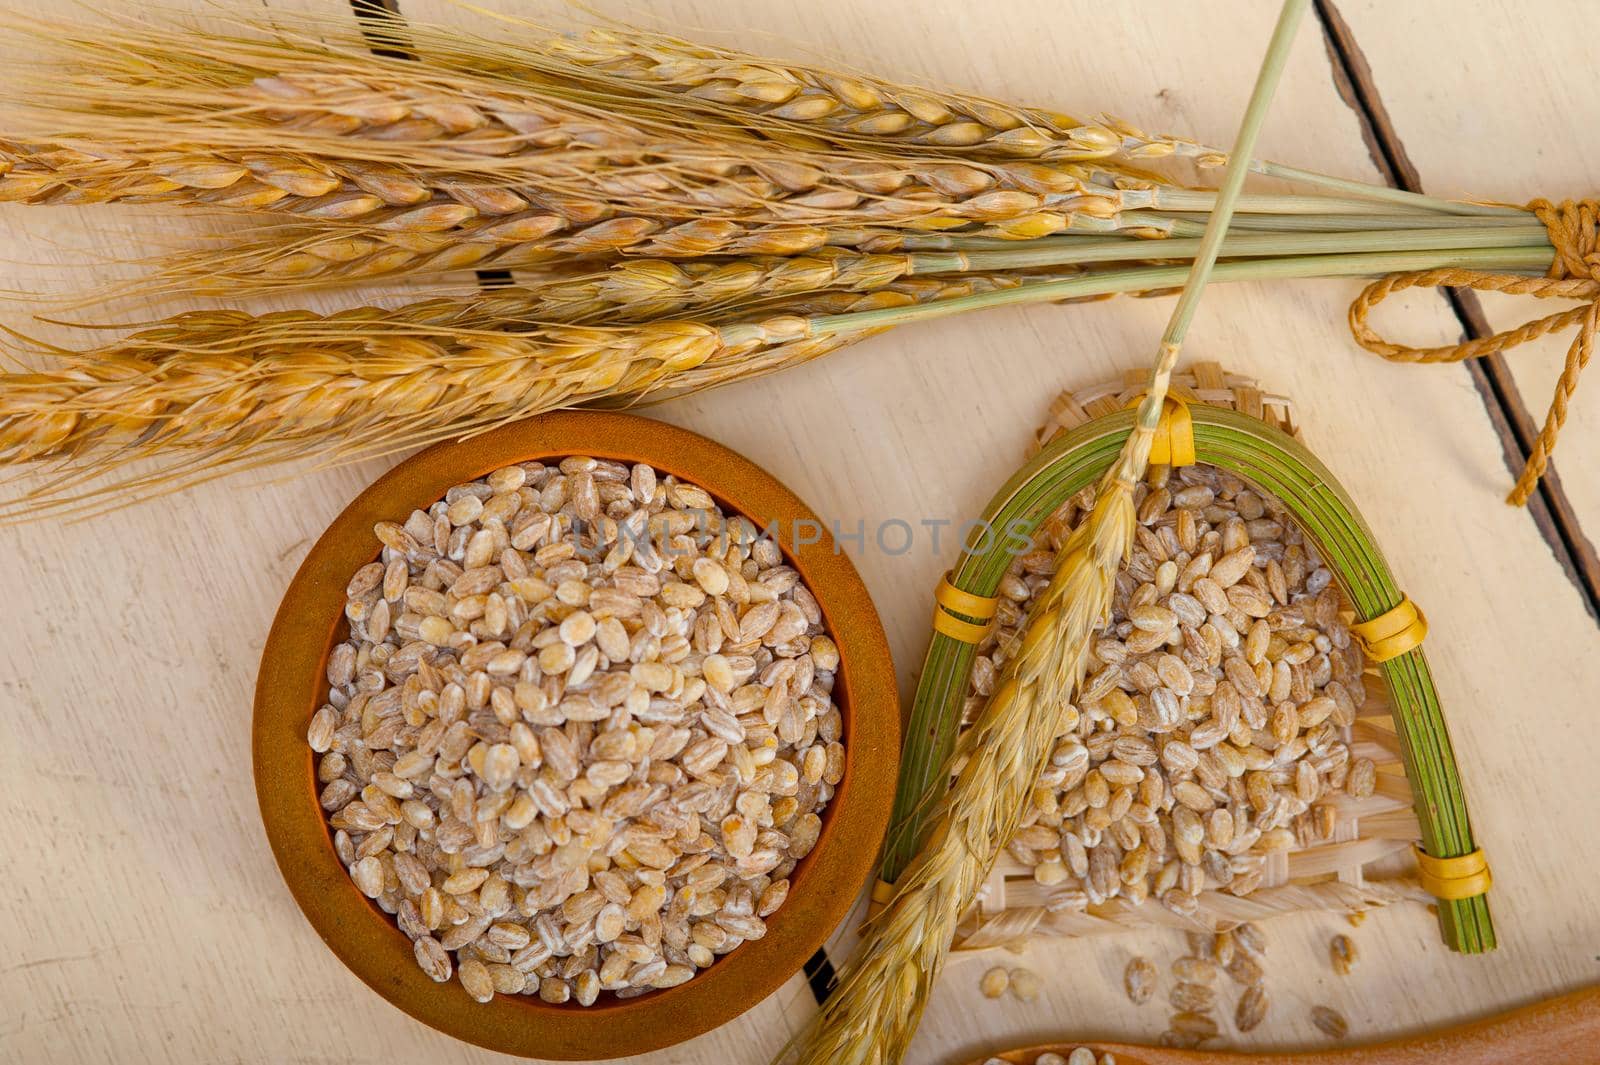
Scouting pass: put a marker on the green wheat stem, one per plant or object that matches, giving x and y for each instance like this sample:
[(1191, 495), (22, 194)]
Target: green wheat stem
[(1532, 260), (1269, 459)]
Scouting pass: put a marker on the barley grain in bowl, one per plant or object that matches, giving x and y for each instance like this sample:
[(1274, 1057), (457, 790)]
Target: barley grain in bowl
[(561, 750), (581, 732)]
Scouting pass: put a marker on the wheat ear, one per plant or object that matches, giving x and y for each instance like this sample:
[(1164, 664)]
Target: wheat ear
[(629, 291), (873, 1013), (791, 100), (796, 103), (386, 166), (228, 161), (209, 392), (209, 411)]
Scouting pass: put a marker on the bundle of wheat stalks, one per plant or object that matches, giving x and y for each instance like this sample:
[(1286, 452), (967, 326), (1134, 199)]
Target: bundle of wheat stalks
[(679, 216)]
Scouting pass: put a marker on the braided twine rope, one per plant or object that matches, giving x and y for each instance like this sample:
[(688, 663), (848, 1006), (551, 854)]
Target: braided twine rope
[(1574, 228), (1365, 863)]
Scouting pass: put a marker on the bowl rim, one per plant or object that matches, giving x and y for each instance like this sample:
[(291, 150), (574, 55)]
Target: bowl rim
[(291, 683)]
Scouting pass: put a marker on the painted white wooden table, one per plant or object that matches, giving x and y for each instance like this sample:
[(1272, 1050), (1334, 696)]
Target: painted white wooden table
[(143, 919)]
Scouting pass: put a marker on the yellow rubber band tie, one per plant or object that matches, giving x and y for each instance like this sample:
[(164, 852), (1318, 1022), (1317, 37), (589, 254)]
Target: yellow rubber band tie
[(1392, 633), (971, 604), (1463, 877), (882, 892), (956, 629), (950, 601), (1174, 440)]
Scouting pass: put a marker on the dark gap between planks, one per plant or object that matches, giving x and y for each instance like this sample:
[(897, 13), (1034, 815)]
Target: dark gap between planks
[(383, 26), (820, 975), (384, 29), (1551, 510)]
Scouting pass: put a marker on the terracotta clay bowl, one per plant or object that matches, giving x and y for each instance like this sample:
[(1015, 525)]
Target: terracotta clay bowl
[(292, 685)]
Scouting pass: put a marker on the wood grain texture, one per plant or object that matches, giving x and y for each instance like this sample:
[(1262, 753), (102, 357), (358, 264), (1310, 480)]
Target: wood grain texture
[(1487, 106), (1558, 1031), (144, 920), (1550, 507)]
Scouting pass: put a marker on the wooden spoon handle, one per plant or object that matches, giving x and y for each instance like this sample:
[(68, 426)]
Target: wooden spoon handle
[(1558, 1031)]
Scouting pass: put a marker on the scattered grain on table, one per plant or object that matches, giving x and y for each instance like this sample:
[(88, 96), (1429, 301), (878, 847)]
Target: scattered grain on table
[(1342, 952), (1139, 980), (1330, 1022), (1025, 984), (993, 983), (1251, 1008)]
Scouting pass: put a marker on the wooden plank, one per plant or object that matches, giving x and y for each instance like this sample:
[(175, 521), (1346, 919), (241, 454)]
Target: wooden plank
[(1509, 145), (157, 874), (1549, 506), (145, 921)]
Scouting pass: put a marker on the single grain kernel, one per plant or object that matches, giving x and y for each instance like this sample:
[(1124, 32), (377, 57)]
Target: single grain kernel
[(1330, 1022), (994, 982), (1025, 984), (1139, 980), (1342, 952)]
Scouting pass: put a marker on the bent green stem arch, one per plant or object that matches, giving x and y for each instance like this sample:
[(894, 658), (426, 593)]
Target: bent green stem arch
[(1276, 462)]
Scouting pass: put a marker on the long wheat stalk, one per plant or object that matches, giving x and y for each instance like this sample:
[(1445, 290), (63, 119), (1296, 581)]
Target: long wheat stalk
[(497, 154), (791, 101), (212, 392), (208, 413), (874, 1010), (873, 1013), (639, 290)]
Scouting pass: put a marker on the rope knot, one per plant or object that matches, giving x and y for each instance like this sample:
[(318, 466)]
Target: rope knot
[(1574, 230)]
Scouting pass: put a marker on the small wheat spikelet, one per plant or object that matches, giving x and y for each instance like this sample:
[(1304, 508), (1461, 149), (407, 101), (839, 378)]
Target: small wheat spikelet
[(203, 413), (209, 391), (478, 154), (870, 1017), (873, 1013)]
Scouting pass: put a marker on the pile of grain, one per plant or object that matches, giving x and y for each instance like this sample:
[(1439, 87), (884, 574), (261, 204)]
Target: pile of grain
[(1213, 725), (581, 732), (1212, 728)]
